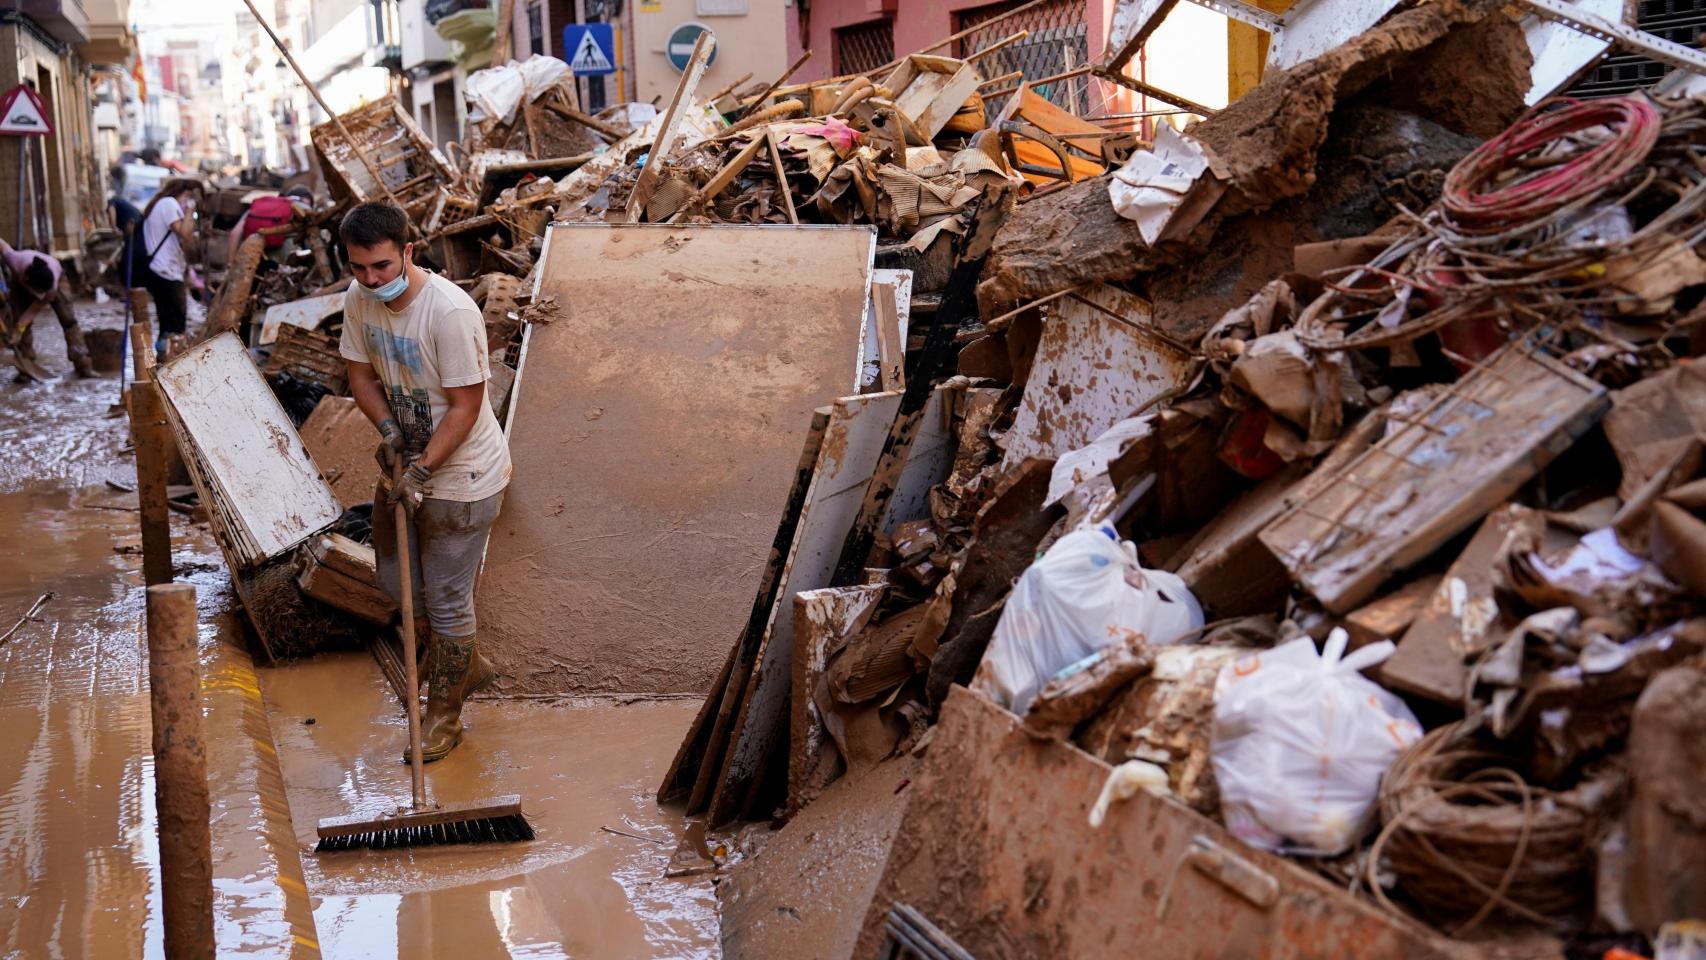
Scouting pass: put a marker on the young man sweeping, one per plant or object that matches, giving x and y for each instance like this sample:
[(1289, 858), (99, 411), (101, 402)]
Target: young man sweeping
[(416, 347)]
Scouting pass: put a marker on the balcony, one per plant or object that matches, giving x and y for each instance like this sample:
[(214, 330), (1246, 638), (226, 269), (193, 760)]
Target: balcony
[(64, 20), (111, 41)]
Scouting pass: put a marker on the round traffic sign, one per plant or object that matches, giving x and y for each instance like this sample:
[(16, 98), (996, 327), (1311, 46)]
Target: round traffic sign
[(681, 41)]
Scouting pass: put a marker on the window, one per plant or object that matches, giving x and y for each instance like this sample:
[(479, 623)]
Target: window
[(1059, 41), (864, 46)]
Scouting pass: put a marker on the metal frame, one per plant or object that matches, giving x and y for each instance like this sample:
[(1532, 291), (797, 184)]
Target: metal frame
[(1556, 11)]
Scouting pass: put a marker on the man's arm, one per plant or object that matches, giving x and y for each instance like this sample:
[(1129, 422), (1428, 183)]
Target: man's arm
[(453, 429), (368, 392)]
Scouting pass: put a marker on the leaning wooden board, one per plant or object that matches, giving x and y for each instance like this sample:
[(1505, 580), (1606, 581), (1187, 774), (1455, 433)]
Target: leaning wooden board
[(653, 436), (1432, 478)]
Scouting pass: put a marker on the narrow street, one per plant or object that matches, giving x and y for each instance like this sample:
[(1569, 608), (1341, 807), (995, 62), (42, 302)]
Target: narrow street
[(78, 848)]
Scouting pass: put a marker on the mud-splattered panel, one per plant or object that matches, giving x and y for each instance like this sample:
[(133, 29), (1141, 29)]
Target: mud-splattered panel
[(266, 488), (1098, 363), (656, 429)]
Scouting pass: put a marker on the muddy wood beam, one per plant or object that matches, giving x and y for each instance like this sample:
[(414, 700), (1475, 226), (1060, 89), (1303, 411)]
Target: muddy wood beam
[(152, 439), (180, 773)]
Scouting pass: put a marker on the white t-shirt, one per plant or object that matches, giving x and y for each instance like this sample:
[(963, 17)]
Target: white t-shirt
[(168, 262), (437, 341)]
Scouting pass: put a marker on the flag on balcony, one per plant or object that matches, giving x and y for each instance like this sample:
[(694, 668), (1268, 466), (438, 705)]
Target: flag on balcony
[(140, 74)]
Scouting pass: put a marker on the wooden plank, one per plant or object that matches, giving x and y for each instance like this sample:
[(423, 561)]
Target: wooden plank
[(637, 522), (781, 172), (341, 440), (929, 90), (1091, 371), (1435, 475), (1391, 615), (690, 755), (678, 105), (823, 619), (870, 348), (254, 457), (1461, 617), (858, 426), (343, 555), (747, 646), (891, 345), (334, 589)]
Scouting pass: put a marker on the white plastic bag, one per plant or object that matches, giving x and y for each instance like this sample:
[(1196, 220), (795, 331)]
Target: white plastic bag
[(1301, 741), (1085, 593)]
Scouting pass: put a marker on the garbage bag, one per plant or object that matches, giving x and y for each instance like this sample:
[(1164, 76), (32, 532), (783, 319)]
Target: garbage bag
[(1086, 592), (1301, 741)]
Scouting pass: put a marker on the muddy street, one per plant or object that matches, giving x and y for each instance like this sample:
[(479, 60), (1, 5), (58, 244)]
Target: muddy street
[(287, 745)]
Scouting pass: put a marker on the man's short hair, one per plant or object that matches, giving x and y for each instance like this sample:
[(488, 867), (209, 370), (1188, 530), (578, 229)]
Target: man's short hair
[(38, 276), (370, 224)]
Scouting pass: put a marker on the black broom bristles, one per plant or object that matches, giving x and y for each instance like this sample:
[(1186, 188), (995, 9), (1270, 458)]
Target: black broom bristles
[(392, 833)]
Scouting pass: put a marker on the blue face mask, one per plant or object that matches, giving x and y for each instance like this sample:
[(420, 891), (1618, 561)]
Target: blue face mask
[(388, 292)]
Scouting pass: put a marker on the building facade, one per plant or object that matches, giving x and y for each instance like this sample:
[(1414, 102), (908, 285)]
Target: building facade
[(55, 186)]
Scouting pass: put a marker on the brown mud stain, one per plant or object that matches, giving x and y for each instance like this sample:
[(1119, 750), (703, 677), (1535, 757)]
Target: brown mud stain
[(576, 891)]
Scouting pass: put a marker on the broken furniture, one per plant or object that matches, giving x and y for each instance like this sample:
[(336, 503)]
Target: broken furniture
[(1185, 887), (411, 169), (262, 492)]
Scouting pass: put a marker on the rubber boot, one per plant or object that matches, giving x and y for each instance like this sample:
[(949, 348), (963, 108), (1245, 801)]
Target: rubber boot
[(456, 673), (77, 351), (484, 673)]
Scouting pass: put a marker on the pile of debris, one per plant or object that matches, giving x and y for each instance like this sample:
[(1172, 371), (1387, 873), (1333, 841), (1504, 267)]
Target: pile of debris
[(1330, 466), (1431, 422)]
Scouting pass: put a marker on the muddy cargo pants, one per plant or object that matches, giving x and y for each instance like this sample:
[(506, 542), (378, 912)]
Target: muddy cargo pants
[(447, 539)]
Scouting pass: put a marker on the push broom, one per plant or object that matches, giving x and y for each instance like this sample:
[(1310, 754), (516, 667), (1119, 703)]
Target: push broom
[(497, 820)]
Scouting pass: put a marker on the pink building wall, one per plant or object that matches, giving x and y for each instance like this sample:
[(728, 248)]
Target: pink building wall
[(917, 24)]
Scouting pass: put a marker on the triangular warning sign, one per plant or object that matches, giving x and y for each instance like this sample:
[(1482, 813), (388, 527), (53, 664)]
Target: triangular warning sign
[(589, 56), (21, 112)]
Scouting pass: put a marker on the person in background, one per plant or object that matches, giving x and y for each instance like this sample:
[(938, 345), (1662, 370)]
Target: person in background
[(268, 212), (34, 280), (168, 241), (127, 219)]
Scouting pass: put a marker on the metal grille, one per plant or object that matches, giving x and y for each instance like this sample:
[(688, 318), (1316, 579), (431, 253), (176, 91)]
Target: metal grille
[(1059, 41), (1623, 71), (864, 46)]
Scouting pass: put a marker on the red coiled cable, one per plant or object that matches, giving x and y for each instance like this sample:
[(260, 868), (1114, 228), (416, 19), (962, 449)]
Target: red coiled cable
[(1489, 192)]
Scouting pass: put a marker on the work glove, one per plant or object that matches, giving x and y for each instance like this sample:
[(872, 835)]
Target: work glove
[(390, 445), (412, 489)]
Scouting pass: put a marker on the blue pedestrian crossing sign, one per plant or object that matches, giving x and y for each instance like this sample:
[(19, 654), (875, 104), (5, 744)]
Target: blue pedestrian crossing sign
[(591, 48)]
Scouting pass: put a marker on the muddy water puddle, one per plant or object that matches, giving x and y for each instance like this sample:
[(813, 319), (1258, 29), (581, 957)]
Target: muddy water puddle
[(77, 852), (576, 891)]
